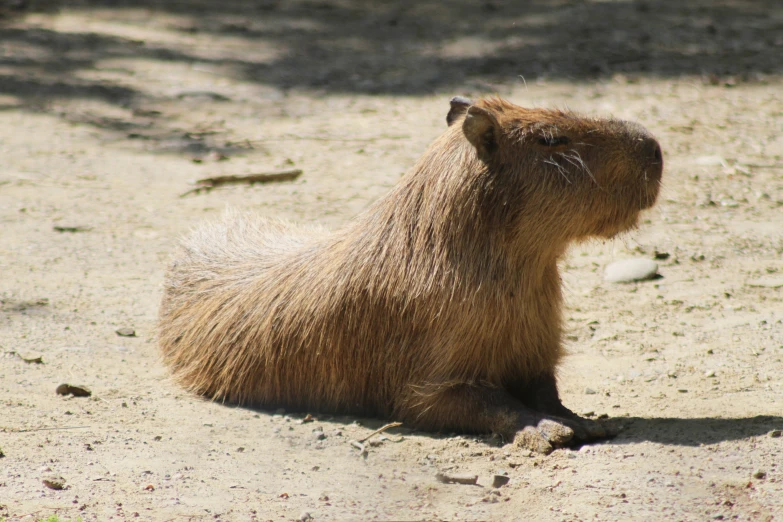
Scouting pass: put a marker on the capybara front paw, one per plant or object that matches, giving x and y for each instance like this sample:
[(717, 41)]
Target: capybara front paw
[(545, 436)]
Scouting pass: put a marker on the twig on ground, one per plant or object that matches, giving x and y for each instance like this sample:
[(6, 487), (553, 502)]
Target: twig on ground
[(297, 137), (448, 478), (762, 166), (361, 447), (61, 228), (380, 430), (208, 184), (15, 430)]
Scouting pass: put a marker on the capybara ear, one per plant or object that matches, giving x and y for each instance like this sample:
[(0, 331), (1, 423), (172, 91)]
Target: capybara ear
[(459, 105), (481, 128)]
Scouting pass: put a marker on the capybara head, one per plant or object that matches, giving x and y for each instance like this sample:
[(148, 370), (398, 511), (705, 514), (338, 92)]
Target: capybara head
[(570, 176)]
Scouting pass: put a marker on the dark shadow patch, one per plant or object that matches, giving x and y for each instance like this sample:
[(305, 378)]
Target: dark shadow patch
[(692, 432), (398, 48)]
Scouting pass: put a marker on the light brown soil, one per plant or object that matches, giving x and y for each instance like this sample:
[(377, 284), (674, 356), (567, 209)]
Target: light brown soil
[(109, 109)]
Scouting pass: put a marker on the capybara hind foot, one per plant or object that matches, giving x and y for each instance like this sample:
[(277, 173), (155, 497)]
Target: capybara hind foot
[(560, 426), (545, 436), (550, 433), (586, 430)]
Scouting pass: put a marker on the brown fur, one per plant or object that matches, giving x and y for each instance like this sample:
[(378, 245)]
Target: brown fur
[(440, 305)]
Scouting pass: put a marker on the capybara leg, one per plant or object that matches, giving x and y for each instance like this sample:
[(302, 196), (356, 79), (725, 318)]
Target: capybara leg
[(541, 396), (483, 409), (462, 407)]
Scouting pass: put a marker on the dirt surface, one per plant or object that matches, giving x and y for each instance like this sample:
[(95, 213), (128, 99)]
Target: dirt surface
[(109, 109)]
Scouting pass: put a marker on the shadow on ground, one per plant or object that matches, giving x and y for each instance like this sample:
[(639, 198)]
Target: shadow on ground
[(392, 48), (693, 432), (630, 430), (419, 47)]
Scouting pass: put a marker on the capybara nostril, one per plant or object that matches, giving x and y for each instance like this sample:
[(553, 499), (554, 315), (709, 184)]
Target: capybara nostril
[(654, 157)]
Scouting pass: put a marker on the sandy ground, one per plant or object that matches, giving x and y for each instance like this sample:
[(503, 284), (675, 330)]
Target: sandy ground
[(109, 109)]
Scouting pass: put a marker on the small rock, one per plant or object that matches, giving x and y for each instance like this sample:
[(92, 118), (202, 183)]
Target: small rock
[(661, 256), (759, 474), (149, 487), (126, 332), (54, 482), (629, 270), (308, 418), (590, 391), (305, 517), (498, 481), (319, 435), (710, 373), (70, 389), (775, 434)]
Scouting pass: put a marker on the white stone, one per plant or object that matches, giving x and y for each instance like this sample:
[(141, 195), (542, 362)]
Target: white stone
[(629, 270)]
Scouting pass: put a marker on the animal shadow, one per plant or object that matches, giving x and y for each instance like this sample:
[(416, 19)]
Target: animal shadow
[(691, 432)]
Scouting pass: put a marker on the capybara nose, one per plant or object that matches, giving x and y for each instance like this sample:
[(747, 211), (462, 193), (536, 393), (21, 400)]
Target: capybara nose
[(653, 157)]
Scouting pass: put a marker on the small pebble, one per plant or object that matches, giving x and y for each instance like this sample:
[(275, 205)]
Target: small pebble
[(590, 391), (759, 474), (126, 332), (304, 517), (498, 481), (70, 389), (710, 373), (319, 435), (54, 482), (774, 434), (629, 270)]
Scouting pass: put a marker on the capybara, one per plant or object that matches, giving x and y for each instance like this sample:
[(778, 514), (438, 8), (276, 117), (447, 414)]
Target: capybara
[(440, 306)]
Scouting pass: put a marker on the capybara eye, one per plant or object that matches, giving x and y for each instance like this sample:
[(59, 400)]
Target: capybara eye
[(553, 141)]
